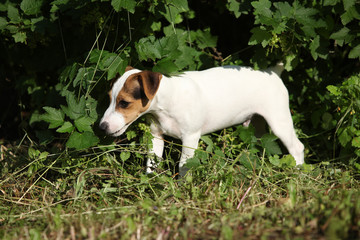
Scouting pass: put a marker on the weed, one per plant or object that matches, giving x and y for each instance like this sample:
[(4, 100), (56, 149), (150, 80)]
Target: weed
[(105, 195)]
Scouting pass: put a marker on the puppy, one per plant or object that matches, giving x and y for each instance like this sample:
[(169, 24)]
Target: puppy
[(195, 103)]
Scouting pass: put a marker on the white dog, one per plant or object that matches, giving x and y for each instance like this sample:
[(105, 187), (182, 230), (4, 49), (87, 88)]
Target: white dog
[(195, 103)]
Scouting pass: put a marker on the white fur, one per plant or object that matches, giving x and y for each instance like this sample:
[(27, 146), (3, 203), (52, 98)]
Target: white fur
[(200, 102)]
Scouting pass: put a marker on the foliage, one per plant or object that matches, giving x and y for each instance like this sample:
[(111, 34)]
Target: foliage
[(162, 36), (346, 97), (57, 60), (223, 200), (296, 27)]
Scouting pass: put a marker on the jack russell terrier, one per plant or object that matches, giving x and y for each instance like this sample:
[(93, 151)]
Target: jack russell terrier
[(195, 103)]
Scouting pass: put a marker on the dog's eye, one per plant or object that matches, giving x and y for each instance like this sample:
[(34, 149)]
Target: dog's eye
[(123, 104)]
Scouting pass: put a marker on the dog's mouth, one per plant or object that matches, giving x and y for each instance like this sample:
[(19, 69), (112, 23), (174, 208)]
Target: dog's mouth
[(120, 131)]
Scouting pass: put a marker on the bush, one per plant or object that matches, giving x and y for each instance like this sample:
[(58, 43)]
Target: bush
[(58, 57)]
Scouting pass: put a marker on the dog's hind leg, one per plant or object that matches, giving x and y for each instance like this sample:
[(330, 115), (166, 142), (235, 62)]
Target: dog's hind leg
[(281, 124)]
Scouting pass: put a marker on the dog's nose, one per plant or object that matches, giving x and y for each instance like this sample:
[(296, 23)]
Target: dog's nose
[(104, 126)]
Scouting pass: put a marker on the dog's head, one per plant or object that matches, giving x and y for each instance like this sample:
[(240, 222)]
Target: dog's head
[(130, 97)]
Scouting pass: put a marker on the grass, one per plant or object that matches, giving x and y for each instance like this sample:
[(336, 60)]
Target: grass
[(99, 195)]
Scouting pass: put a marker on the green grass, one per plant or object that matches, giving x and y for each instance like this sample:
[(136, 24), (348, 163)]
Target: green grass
[(98, 195)]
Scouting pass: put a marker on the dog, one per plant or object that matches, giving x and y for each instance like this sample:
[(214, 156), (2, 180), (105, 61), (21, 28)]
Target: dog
[(195, 103)]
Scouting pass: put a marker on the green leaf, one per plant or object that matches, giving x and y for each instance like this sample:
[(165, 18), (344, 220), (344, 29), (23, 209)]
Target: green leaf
[(305, 15), (31, 7), (147, 48), (187, 58), (59, 4), (268, 141), (151, 48), (234, 6), (356, 142), (321, 49), (83, 124), (193, 162), (209, 142), (125, 155), (166, 66), (249, 161), (173, 10), (285, 10), (55, 117), (291, 62), (220, 156), (35, 117), (117, 65), (67, 127), (275, 160), (74, 108), (246, 134), (288, 161), (3, 23), (182, 5), (350, 14), (331, 2), (333, 90), (341, 34), (91, 105), (344, 137), (43, 156), (204, 39), (33, 153), (82, 140), (68, 73), (262, 7), (84, 76), (124, 4), (355, 52), (13, 14), (348, 4), (20, 37), (326, 120), (317, 49), (130, 134), (156, 26), (260, 36), (169, 46), (96, 55)]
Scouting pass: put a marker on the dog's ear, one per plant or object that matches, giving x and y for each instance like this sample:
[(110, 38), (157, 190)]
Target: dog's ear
[(150, 82), (128, 68)]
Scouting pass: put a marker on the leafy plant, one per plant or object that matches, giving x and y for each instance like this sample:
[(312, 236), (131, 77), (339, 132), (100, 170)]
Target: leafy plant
[(346, 98), (61, 74), (57, 58)]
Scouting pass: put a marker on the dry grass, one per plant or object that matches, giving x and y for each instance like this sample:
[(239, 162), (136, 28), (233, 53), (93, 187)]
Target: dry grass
[(62, 197)]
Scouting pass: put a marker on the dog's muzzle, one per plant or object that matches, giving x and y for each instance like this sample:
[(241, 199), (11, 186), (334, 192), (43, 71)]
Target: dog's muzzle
[(104, 126)]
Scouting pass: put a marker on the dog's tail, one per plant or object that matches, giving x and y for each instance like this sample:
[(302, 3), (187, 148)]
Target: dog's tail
[(278, 68)]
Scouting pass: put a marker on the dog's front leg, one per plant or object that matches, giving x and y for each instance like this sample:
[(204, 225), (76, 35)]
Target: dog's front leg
[(190, 143), (157, 148)]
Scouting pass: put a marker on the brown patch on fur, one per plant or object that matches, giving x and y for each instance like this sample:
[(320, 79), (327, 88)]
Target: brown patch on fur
[(135, 96)]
